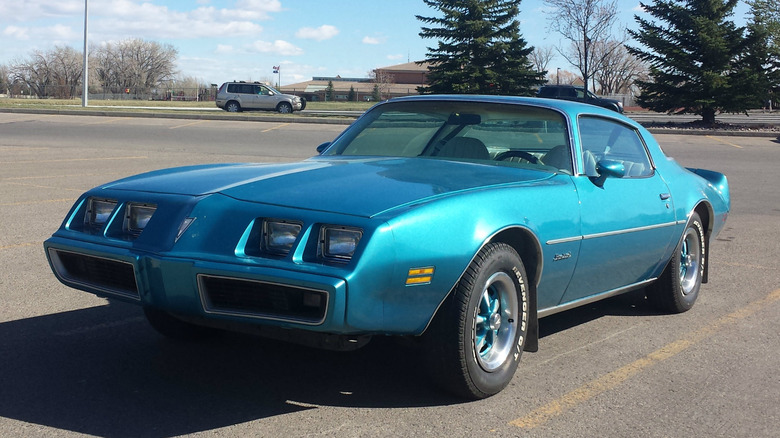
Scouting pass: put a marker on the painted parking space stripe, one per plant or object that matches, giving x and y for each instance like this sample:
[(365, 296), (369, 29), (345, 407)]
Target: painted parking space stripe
[(609, 381), (15, 204), (275, 127), (70, 160), (20, 245), (197, 122), (724, 142)]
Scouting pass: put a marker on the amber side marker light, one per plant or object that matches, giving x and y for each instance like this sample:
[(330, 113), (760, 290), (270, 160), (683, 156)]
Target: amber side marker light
[(419, 276)]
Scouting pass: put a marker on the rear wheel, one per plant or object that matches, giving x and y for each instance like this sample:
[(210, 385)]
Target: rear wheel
[(232, 107), (677, 289), (475, 342)]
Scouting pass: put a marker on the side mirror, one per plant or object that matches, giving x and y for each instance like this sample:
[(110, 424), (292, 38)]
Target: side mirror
[(608, 169), (321, 148)]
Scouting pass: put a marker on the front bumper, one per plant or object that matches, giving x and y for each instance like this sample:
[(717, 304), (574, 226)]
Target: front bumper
[(203, 289)]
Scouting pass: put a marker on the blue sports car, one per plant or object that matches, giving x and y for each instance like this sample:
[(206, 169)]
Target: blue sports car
[(458, 221)]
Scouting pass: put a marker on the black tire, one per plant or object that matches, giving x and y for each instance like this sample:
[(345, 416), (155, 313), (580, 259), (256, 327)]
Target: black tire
[(284, 108), (174, 328), (677, 289), (474, 343), (303, 103), (233, 107)]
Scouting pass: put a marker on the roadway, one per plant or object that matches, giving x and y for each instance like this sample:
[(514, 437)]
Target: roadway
[(72, 364)]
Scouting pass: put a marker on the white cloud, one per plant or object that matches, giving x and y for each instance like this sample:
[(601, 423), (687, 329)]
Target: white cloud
[(321, 33), (370, 40), (19, 33), (277, 47), (225, 49)]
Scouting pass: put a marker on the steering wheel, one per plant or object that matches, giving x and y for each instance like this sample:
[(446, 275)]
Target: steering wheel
[(517, 153)]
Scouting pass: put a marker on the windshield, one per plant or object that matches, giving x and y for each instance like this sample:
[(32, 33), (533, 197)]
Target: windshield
[(501, 134)]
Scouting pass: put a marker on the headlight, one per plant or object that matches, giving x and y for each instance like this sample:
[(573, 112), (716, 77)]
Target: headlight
[(137, 216), (99, 212), (280, 236), (339, 243)]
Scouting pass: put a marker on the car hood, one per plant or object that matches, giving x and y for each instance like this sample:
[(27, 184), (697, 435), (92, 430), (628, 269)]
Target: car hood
[(363, 187)]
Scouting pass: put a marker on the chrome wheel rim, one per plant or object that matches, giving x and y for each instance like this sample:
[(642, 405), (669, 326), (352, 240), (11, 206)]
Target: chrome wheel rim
[(690, 261), (495, 322)]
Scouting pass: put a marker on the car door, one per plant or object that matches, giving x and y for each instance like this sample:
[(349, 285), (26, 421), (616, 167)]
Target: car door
[(264, 97), (627, 219)]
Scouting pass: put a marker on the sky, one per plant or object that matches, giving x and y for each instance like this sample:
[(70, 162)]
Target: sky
[(223, 40)]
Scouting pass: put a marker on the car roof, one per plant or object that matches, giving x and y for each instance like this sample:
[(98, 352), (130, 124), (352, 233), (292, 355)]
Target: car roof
[(571, 108)]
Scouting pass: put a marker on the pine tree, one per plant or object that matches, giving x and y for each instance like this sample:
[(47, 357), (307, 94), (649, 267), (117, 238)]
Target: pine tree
[(479, 51), (764, 46), (330, 92), (696, 58)]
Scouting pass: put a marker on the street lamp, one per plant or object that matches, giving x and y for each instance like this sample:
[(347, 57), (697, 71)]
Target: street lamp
[(85, 72)]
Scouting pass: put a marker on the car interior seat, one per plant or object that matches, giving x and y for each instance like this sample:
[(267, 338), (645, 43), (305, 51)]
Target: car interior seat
[(466, 148)]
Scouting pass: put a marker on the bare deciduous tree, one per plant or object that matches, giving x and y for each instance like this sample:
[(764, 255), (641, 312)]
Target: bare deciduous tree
[(583, 23), (541, 57), (617, 68), (135, 64), (56, 73), (563, 77), (384, 80)]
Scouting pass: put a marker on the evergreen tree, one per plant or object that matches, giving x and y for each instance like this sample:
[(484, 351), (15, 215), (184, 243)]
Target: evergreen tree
[(764, 46), (330, 92), (697, 58), (480, 50)]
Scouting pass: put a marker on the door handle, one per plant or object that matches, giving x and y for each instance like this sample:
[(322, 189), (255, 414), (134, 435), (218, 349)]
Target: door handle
[(665, 196)]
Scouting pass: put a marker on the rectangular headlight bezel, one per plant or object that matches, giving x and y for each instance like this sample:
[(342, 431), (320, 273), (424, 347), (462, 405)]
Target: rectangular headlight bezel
[(279, 236), (137, 216), (339, 243), (98, 213)]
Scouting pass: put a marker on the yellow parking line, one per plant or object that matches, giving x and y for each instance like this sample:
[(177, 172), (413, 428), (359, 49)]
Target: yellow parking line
[(38, 186), (724, 141), (20, 245), (140, 157), (188, 124), (611, 380), (276, 127), (15, 204), (103, 122)]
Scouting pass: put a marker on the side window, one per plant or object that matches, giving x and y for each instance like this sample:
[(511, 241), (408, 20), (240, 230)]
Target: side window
[(233, 88), (604, 139)]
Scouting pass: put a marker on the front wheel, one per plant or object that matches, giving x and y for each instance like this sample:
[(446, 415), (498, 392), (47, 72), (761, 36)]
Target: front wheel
[(284, 108), (677, 289), (474, 344)]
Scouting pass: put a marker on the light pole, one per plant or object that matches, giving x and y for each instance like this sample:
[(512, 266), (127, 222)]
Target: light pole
[(558, 76), (85, 72)]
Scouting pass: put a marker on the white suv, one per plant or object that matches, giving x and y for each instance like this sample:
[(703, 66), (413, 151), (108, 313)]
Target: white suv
[(239, 96)]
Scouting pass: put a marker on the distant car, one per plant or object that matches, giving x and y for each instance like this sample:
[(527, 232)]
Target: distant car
[(458, 221), (577, 94), (240, 96)]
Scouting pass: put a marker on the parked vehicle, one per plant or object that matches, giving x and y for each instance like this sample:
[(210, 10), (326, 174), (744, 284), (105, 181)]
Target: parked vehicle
[(458, 221), (242, 96), (577, 94)]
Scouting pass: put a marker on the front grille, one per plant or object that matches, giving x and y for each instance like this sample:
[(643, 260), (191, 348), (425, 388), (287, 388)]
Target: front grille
[(259, 299), (108, 275)]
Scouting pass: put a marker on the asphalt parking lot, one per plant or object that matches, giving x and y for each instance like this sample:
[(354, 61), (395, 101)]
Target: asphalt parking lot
[(72, 364)]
